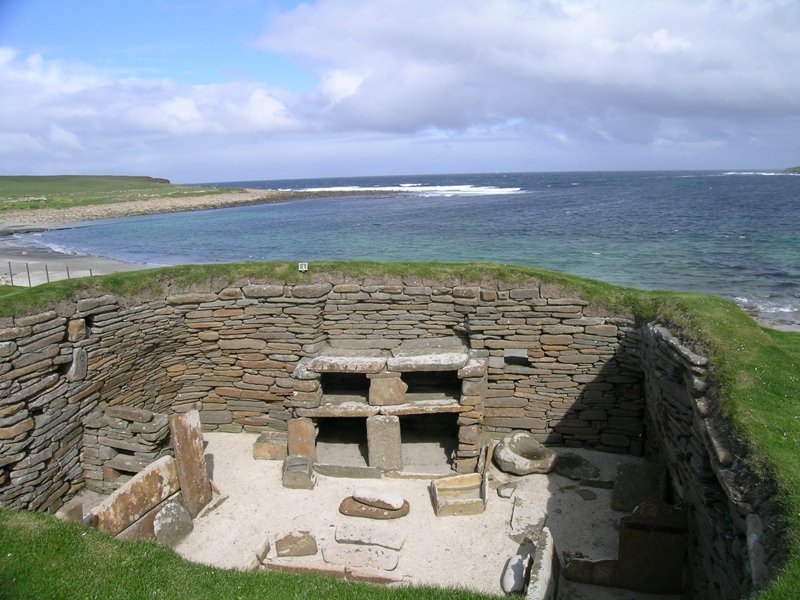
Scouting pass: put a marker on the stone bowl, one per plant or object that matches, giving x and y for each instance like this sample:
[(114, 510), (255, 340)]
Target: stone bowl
[(521, 454)]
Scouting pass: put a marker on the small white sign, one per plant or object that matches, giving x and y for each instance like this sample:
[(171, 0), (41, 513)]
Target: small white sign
[(302, 267)]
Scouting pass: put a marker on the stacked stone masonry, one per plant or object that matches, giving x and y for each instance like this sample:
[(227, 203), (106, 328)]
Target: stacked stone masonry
[(530, 357)]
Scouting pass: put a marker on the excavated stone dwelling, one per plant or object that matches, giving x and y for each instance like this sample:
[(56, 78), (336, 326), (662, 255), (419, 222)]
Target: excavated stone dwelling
[(465, 361)]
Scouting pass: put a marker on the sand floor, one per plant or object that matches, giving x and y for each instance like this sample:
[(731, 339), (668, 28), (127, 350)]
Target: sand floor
[(467, 551)]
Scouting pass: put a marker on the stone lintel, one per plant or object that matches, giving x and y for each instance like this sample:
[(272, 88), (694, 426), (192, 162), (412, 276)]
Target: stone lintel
[(347, 364), (408, 361)]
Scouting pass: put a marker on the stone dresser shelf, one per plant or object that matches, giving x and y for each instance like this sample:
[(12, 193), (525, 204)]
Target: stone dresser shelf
[(362, 409)]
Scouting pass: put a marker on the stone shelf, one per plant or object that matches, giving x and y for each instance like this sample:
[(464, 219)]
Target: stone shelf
[(362, 409)]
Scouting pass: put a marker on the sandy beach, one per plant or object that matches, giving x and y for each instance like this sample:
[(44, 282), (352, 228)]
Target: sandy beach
[(28, 266)]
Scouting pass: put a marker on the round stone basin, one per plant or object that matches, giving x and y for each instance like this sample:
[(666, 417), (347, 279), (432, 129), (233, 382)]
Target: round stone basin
[(521, 454)]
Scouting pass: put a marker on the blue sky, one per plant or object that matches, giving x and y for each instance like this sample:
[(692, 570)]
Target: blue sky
[(221, 90)]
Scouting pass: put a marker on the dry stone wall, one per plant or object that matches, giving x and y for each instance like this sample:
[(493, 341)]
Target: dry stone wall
[(685, 433), (551, 364)]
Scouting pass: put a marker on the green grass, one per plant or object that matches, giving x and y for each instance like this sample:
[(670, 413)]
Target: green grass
[(43, 558), (64, 191), (757, 370)]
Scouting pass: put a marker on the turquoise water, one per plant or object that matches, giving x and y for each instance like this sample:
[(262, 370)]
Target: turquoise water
[(736, 235)]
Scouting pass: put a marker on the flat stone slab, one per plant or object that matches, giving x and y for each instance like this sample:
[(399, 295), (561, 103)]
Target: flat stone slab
[(348, 472), (342, 409), (187, 442), (138, 415), (378, 498), (353, 508), (296, 543), (425, 407), (370, 557), (527, 520), (370, 535), (157, 482), (543, 578), (594, 572), (410, 360), (304, 566), (347, 364), (575, 467), (428, 344), (373, 575)]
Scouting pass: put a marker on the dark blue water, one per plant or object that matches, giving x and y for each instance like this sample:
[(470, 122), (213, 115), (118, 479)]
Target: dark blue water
[(736, 235)]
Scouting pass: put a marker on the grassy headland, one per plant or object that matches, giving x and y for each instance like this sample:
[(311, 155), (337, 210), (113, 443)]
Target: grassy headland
[(757, 372), (64, 191)]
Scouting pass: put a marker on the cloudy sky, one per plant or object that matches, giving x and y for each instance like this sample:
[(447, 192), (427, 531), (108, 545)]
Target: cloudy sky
[(223, 90)]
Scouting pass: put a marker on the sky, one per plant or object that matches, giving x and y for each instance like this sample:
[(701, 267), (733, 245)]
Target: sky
[(236, 90)]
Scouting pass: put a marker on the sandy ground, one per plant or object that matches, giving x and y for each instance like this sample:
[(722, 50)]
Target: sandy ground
[(468, 551)]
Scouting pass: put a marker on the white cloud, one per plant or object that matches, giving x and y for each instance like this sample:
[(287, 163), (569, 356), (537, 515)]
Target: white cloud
[(456, 63), (449, 85)]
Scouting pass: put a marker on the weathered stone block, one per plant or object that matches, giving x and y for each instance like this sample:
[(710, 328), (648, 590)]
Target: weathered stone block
[(271, 445), (347, 364), (383, 442), (187, 443), (387, 391), (171, 524), (129, 413), (296, 543), (76, 330), (302, 438), (262, 291), (298, 473), (316, 290), (146, 490)]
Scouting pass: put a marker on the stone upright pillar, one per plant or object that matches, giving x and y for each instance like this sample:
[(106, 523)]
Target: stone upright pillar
[(383, 442), (187, 442), (302, 438)]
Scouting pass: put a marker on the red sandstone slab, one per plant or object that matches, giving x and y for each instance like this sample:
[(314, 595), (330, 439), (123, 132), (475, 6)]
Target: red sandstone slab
[(146, 490)]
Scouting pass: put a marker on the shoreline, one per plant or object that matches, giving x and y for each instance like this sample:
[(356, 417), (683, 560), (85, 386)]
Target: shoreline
[(29, 221), (41, 265)]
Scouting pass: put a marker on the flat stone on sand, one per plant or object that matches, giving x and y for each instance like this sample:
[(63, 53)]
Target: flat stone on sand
[(370, 557), (296, 543), (353, 508), (370, 535), (378, 498)]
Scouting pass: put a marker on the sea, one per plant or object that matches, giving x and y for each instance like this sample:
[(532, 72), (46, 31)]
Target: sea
[(733, 234)]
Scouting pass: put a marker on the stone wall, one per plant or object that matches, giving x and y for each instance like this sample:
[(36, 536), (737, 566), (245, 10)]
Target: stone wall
[(571, 373), (728, 555)]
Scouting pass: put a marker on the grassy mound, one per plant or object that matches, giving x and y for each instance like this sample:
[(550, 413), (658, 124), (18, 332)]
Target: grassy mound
[(757, 372)]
